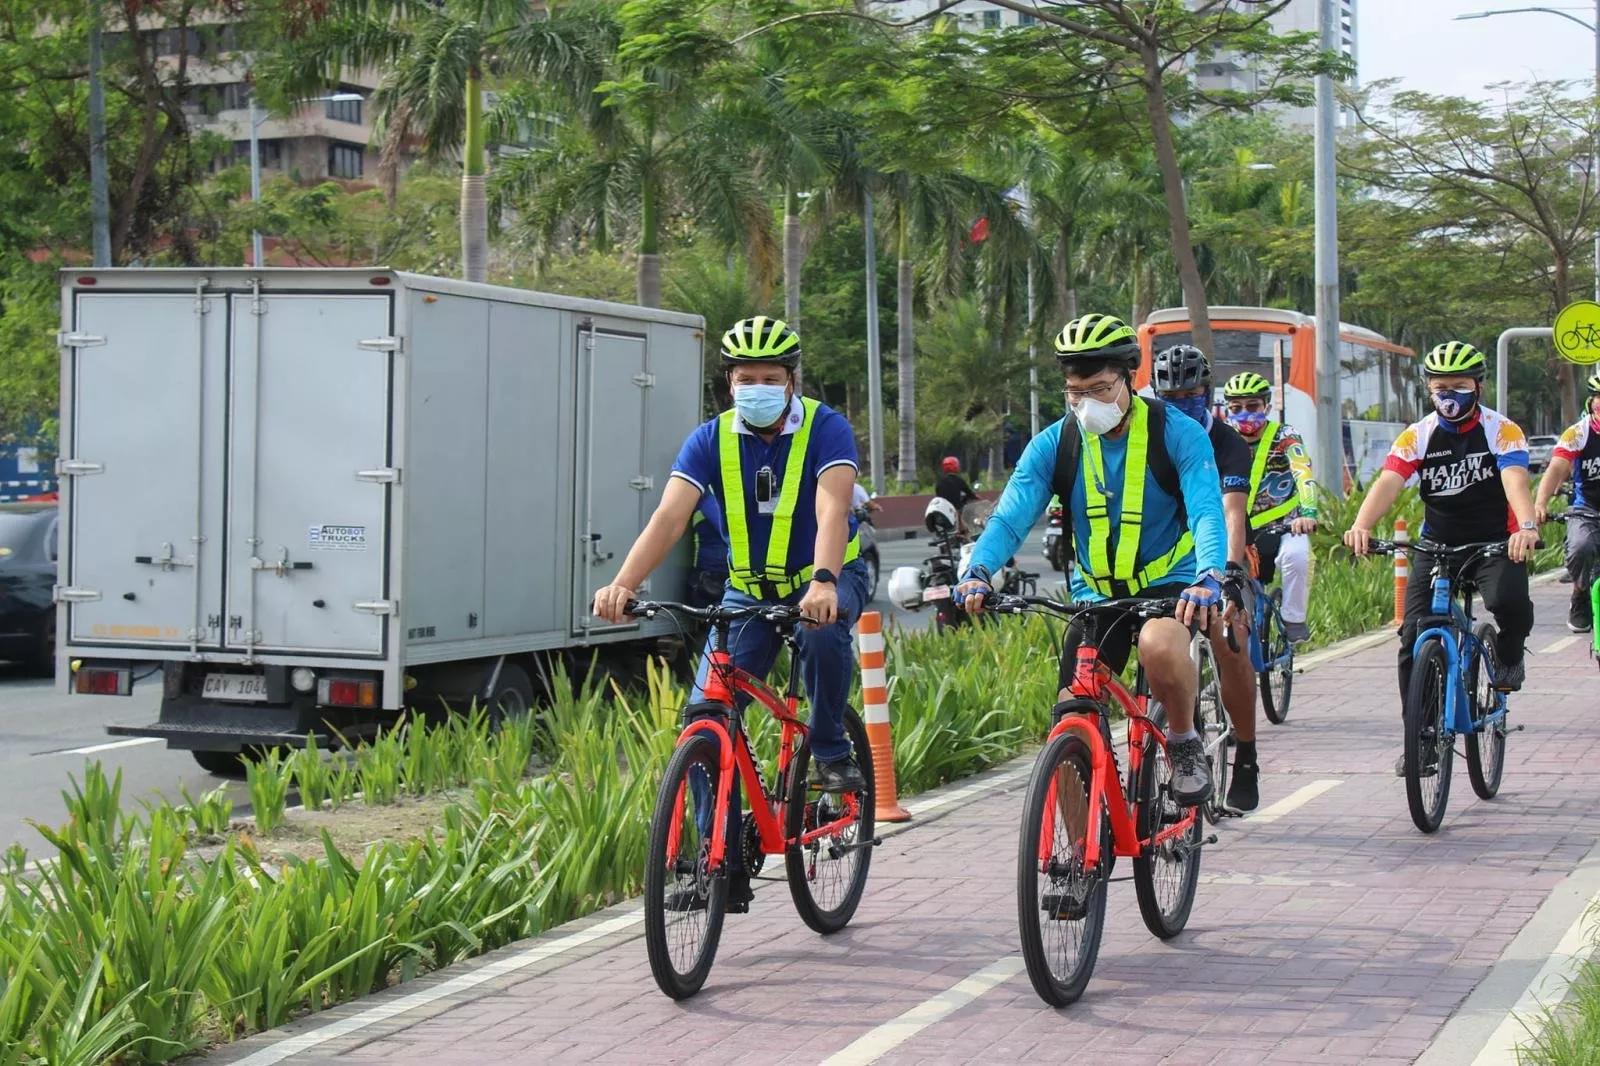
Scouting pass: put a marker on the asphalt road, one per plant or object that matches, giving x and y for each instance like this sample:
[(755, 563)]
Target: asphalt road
[(47, 737)]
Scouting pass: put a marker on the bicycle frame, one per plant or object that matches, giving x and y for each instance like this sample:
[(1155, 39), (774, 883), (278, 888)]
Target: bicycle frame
[(724, 681), (1093, 681), (1258, 625), (1460, 645)]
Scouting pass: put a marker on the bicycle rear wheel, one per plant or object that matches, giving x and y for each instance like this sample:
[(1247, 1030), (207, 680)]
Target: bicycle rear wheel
[(1486, 746), (1277, 651), (684, 901), (1429, 750), (1212, 723), (1061, 906), (1164, 875), (828, 875)]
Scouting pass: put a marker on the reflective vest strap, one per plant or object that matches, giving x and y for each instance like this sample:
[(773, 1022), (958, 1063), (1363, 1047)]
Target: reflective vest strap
[(776, 564), (733, 494), (1272, 514), (1103, 576), (1131, 521), (1258, 466)]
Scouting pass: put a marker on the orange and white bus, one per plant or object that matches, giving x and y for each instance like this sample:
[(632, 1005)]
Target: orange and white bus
[(1380, 388)]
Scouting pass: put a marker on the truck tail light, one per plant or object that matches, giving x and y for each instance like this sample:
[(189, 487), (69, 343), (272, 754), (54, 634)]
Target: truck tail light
[(347, 692), (101, 681)]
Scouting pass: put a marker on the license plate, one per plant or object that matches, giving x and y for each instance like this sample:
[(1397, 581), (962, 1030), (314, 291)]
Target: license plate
[(249, 687), (934, 593)]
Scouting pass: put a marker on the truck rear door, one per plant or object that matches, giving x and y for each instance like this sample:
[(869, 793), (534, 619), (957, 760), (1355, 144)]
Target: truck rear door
[(143, 460), (309, 473)]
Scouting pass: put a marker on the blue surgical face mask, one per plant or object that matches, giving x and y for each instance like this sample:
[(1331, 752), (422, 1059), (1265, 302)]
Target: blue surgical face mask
[(1455, 405), (1196, 407), (761, 406)]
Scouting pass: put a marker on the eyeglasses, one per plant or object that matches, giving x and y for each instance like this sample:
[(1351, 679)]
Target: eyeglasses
[(1103, 391), (1238, 407)]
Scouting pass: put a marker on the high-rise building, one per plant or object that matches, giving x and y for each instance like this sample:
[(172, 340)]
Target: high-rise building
[(1225, 72)]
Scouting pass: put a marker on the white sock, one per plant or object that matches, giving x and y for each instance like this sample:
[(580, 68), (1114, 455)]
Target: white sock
[(1175, 738)]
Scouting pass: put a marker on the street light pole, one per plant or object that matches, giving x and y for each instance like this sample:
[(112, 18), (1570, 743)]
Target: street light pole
[(255, 178), (1330, 439), (99, 183), (874, 367)]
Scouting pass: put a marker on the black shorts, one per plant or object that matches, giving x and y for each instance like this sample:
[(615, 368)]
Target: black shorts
[(1116, 639)]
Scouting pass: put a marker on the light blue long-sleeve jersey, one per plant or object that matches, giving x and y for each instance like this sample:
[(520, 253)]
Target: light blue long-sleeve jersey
[(1029, 491)]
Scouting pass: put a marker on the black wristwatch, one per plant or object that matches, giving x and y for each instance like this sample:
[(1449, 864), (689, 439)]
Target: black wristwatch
[(826, 577)]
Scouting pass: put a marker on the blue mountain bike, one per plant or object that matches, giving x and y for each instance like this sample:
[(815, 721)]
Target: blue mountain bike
[(1453, 690), (1271, 650)]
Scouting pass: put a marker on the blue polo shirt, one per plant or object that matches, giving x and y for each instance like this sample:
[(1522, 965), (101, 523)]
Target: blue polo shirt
[(833, 443), (710, 539)]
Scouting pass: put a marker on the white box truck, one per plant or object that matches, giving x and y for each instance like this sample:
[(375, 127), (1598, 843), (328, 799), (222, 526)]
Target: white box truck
[(302, 500)]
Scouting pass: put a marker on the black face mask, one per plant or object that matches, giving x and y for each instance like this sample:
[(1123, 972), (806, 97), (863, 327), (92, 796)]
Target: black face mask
[(1456, 405)]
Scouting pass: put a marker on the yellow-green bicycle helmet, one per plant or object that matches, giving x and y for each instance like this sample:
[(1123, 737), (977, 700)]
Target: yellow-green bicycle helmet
[(1098, 338), (1593, 384), (1455, 359), (1246, 384), (768, 341)]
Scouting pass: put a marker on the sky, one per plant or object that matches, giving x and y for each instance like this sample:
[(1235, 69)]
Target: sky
[(1419, 42)]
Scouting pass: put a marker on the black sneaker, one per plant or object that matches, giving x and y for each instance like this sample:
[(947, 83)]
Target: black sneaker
[(1297, 632), (739, 893), (841, 775), (1578, 617), (1191, 772), (1510, 678), (1243, 791)]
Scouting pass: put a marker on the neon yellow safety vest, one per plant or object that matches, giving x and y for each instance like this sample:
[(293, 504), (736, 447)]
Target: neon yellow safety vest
[(1258, 469), (772, 578), (1124, 577)]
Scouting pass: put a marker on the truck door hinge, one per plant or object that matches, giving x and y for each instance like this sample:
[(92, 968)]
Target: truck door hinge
[(78, 468), (643, 484), (72, 594), (75, 339), (380, 344), (644, 380), (389, 475), (377, 606)]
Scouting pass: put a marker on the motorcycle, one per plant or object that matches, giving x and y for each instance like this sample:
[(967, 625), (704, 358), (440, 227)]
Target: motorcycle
[(1055, 550), (913, 588), (866, 531)]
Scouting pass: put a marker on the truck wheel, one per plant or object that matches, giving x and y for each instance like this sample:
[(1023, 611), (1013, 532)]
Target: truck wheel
[(221, 763), (43, 661), (512, 696)]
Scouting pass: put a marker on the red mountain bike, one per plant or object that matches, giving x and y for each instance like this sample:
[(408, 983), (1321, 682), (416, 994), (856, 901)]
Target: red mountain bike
[(826, 839), (1076, 819)]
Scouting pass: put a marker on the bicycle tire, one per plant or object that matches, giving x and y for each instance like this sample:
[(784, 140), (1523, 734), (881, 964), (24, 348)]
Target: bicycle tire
[(1081, 894), (1276, 681), (1486, 749), (803, 862), (1427, 796), (678, 977), (1153, 810), (1211, 721)]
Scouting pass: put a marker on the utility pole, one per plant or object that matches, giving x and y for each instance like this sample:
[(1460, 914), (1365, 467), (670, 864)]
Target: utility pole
[(874, 367), (1329, 448), (99, 183), (255, 178)]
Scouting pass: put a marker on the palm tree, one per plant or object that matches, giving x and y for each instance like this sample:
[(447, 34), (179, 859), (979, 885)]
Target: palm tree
[(438, 56)]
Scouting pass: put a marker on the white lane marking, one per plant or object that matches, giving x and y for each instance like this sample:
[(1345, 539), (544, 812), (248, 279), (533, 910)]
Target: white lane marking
[(283, 1049), (133, 742), (1344, 648), (1548, 988), (1271, 880), (878, 1042), (1294, 801), (1564, 642)]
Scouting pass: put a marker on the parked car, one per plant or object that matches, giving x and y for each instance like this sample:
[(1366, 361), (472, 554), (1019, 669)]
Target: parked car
[(1540, 448), (27, 577)]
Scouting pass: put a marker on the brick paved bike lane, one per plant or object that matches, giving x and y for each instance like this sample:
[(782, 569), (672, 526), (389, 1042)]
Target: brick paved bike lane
[(1326, 928)]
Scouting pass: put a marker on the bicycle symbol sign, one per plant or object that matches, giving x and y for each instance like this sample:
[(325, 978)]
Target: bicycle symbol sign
[(1577, 332)]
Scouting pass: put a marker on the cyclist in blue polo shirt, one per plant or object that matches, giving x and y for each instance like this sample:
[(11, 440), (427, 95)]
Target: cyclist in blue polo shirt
[(781, 466)]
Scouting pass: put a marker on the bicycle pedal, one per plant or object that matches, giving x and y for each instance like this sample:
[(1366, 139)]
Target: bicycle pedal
[(1212, 839)]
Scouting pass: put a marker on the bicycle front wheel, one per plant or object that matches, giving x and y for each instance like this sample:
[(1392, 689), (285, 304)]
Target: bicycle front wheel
[(1429, 750), (684, 900), (1486, 746), (1277, 651), (828, 873), (1212, 723), (1061, 905), (1165, 875)]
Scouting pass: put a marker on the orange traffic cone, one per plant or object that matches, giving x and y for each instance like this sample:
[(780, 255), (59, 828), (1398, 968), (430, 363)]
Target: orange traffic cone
[(1402, 570), (875, 709)]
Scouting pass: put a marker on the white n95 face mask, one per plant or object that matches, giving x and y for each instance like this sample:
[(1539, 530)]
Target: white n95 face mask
[(1097, 416)]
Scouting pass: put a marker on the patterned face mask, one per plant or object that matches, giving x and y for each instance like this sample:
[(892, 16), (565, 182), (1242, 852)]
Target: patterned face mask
[(1455, 405), (1248, 422)]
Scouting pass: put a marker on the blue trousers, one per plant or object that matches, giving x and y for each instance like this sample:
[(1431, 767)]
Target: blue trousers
[(827, 666)]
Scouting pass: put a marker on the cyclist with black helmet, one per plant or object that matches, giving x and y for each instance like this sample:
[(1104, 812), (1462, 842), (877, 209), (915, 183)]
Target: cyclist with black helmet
[(1281, 487), (781, 466), (1181, 376), (1144, 508), (1471, 463), (1578, 453)]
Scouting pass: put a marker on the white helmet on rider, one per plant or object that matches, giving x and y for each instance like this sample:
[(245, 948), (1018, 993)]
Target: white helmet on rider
[(940, 515), (905, 588)]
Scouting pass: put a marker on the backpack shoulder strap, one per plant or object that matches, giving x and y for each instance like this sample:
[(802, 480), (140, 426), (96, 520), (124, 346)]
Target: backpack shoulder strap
[(1068, 450), (1157, 458)]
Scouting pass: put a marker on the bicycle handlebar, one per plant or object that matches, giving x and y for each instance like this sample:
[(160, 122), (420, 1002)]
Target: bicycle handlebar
[(1488, 549), (778, 614), (1283, 525), (1129, 605)]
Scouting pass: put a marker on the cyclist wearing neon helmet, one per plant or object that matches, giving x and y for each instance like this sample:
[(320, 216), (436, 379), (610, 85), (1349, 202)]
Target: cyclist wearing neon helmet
[(1280, 487), (1144, 508), (781, 466), (1578, 454), (1471, 463), (1181, 376)]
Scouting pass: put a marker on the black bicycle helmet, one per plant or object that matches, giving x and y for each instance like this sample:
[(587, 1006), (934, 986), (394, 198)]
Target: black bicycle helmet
[(1180, 367)]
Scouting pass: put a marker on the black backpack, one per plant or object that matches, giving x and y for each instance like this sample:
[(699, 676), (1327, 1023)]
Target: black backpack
[(1069, 451)]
